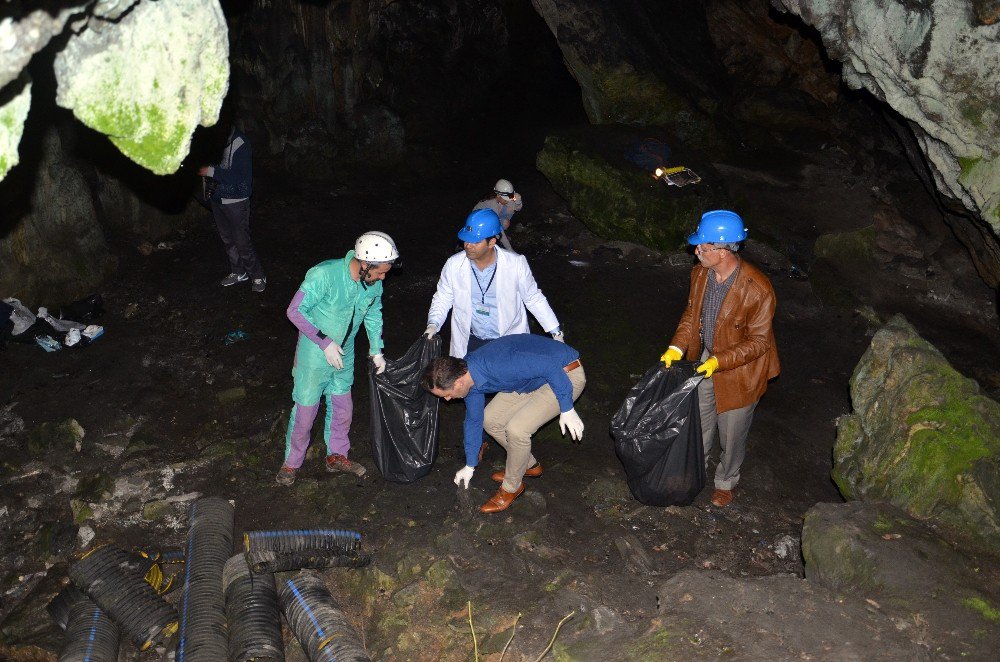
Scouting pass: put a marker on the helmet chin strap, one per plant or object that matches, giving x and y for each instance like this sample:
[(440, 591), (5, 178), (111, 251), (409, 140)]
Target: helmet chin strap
[(366, 267)]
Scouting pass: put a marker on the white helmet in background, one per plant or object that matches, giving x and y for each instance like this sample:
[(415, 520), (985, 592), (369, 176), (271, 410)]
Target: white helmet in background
[(503, 187), (375, 247)]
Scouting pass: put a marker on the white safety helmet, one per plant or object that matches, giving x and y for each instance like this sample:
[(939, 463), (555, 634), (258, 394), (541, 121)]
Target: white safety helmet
[(503, 187), (375, 247)]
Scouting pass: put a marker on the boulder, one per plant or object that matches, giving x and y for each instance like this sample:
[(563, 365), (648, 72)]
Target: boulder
[(875, 551), (920, 436), (148, 79), (709, 615), (55, 250), (62, 438), (13, 111), (617, 200)]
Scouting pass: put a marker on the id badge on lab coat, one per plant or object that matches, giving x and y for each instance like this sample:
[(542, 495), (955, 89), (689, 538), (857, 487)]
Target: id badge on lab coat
[(482, 310)]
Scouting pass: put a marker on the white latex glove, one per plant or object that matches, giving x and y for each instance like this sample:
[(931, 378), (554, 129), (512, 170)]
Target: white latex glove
[(334, 355), (379, 362), (430, 331), (463, 476), (559, 337), (570, 420)]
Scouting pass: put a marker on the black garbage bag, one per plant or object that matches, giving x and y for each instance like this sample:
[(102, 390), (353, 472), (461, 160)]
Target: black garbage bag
[(657, 433), (85, 311), (405, 416)]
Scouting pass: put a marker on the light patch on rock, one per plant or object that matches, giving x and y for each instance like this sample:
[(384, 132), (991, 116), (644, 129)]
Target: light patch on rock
[(85, 535), (12, 116), (149, 79), (934, 65)]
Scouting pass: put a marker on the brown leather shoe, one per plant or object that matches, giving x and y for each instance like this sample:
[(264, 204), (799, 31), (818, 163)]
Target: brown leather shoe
[(722, 498), (501, 500), (533, 471)]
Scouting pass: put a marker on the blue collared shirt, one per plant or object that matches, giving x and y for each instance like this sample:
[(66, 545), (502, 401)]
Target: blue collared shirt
[(485, 321), (519, 363)]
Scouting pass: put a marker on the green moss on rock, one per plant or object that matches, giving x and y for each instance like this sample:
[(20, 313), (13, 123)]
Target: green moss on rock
[(836, 557), (149, 79), (620, 202), (984, 608), (63, 437), (920, 436), (12, 116)]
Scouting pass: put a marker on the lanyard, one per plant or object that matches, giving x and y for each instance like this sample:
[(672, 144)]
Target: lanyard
[(476, 276)]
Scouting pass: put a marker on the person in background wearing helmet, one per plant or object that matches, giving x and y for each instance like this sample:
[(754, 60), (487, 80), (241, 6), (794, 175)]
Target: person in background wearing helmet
[(726, 327), (505, 202), (535, 379), (334, 300)]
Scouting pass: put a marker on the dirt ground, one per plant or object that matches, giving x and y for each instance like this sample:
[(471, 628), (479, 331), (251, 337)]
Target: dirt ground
[(162, 364)]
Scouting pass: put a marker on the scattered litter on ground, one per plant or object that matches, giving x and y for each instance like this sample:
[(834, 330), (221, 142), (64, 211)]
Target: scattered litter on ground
[(235, 336), (48, 343), (579, 263)]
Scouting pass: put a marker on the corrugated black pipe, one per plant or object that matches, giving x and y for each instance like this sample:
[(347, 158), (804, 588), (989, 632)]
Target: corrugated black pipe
[(90, 635), (114, 580), (58, 606), (297, 540), (253, 614), (266, 562), (203, 635), (317, 621)]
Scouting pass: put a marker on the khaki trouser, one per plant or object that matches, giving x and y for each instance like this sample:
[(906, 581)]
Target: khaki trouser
[(512, 418)]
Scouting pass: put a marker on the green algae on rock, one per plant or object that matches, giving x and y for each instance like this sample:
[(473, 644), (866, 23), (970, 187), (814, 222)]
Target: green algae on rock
[(620, 202), (148, 80), (921, 436), (12, 115)]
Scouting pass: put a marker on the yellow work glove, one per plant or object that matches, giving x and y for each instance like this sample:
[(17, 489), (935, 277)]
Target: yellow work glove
[(709, 366), (672, 354)]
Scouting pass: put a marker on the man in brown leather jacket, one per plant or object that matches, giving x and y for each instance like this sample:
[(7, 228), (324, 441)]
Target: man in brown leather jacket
[(726, 326)]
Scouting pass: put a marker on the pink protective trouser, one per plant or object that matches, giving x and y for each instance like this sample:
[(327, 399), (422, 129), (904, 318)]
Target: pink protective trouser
[(339, 411)]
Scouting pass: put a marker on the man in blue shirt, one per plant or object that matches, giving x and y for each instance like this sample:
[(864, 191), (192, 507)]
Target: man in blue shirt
[(535, 379)]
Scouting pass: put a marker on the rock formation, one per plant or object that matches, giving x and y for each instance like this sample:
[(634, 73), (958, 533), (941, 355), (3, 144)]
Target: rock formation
[(921, 436)]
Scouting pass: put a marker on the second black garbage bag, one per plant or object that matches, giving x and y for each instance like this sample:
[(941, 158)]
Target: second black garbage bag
[(657, 433), (405, 416)]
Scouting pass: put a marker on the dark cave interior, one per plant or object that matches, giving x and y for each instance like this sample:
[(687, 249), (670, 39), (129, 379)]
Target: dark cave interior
[(400, 115)]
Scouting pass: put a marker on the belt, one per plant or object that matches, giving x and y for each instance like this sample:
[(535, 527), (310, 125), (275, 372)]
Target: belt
[(570, 367)]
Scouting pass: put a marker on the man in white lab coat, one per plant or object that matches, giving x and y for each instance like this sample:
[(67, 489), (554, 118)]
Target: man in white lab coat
[(489, 290)]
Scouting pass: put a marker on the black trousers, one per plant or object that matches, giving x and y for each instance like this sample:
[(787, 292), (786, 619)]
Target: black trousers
[(233, 222)]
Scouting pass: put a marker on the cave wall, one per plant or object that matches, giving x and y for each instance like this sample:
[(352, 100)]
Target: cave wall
[(935, 63), (359, 81)]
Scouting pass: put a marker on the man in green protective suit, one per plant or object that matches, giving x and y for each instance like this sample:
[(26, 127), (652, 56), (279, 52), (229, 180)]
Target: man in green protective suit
[(334, 300)]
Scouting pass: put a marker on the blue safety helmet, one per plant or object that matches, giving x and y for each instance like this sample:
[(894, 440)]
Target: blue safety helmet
[(480, 224), (719, 227)]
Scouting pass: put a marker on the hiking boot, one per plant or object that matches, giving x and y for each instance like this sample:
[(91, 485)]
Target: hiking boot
[(335, 463), (285, 476), (259, 284), (233, 278)]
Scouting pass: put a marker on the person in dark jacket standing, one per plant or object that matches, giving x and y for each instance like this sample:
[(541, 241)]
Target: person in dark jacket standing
[(727, 328), (230, 203)]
